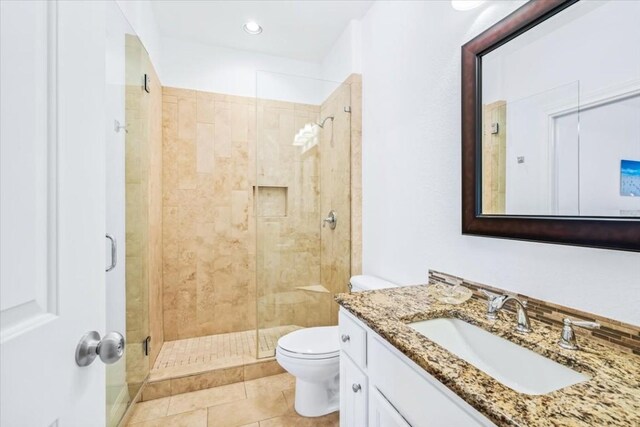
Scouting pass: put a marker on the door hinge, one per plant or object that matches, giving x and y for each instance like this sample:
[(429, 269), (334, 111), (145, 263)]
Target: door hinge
[(146, 346), (146, 83)]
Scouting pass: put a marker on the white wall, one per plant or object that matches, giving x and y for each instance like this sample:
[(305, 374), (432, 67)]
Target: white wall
[(345, 56), (192, 65), (411, 172), (141, 17), (187, 64)]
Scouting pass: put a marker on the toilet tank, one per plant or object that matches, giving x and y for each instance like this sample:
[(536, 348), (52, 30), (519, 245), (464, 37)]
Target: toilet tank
[(369, 283)]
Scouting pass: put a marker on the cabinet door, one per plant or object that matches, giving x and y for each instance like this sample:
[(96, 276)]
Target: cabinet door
[(353, 394), (382, 413)]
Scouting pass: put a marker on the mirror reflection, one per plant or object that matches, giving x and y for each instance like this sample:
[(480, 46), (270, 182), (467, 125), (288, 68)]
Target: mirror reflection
[(561, 116)]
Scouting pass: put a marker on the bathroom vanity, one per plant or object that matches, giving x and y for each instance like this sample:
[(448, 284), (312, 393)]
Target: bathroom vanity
[(381, 387), (392, 374)]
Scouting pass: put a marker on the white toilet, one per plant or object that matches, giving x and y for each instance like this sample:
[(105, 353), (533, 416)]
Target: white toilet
[(312, 355)]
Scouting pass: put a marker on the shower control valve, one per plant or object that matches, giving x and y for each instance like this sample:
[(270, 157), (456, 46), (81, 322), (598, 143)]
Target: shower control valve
[(331, 219)]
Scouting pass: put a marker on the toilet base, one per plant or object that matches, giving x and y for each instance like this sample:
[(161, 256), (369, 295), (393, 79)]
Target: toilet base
[(317, 399)]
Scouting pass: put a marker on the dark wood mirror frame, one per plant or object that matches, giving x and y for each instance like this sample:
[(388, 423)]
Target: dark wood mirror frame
[(620, 234)]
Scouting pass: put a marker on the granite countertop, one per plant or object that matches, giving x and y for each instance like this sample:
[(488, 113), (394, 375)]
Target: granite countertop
[(610, 398)]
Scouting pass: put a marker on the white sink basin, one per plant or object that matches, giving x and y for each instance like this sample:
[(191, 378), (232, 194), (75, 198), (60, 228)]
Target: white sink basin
[(514, 366)]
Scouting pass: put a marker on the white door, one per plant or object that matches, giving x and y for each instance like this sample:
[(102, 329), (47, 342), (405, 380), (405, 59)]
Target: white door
[(52, 211)]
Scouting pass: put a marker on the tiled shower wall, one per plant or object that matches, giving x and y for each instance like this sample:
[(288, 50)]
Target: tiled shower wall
[(208, 261), (335, 176), (209, 235)]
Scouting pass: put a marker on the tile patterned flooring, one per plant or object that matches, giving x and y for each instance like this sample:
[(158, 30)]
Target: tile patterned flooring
[(264, 402), (193, 355)]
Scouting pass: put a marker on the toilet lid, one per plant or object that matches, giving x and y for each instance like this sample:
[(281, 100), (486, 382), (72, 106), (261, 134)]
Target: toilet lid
[(320, 340)]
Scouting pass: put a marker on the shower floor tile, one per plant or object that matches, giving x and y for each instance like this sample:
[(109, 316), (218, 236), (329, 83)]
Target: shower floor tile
[(192, 355)]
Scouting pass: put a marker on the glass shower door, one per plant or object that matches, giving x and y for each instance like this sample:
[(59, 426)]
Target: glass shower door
[(302, 174), (127, 211)]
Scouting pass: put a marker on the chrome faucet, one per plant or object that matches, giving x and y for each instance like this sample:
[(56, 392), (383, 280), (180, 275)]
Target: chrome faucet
[(568, 336), (496, 302)]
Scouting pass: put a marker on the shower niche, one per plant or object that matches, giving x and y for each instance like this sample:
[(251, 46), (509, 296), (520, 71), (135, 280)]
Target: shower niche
[(272, 202)]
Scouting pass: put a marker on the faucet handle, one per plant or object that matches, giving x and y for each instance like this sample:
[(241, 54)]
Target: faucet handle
[(493, 304), (490, 295), (581, 323), (568, 336)]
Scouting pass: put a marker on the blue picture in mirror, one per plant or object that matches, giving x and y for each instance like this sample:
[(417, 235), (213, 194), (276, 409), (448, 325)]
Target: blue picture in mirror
[(630, 178)]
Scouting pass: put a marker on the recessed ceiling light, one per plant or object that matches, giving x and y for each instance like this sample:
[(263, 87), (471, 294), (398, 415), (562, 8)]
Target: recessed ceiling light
[(465, 4), (252, 27)]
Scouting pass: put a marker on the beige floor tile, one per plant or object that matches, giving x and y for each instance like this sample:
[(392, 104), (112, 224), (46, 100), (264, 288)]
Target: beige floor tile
[(270, 385), (290, 397), (295, 420), (262, 369), (150, 410), (247, 411), (188, 419), (205, 398), (291, 418), (251, 425), (206, 380), (192, 355), (192, 369), (156, 390)]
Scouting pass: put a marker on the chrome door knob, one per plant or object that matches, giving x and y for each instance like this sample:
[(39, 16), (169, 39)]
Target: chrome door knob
[(356, 388), (345, 338), (110, 348)]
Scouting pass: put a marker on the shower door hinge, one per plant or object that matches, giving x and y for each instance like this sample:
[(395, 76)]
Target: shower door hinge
[(347, 109), (146, 83), (146, 346)]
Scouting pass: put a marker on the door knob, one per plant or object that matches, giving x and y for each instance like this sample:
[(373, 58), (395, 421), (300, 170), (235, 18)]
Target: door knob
[(356, 388), (345, 337), (110, 348)]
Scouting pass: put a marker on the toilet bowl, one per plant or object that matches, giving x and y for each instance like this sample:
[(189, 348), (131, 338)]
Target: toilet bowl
[(312, 355)]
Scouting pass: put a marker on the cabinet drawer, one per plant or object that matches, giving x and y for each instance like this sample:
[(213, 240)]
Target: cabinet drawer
[(354, 391), (353, 339)]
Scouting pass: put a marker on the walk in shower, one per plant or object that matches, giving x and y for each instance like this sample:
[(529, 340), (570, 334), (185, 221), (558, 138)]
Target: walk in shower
[(233, 217), (246, 256)]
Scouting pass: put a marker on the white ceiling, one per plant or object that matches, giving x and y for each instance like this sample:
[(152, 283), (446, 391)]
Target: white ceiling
[(303, 29)]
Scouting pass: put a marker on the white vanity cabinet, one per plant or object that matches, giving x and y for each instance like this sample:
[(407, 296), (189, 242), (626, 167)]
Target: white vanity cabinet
[(381, 387), (382, 413), (354, 392)]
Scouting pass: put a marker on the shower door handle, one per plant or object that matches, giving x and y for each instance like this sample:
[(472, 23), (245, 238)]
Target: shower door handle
[(331, 219), (114, 252)]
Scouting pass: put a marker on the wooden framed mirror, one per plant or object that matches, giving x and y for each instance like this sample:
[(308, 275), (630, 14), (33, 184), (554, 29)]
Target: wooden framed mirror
[(551, 125)]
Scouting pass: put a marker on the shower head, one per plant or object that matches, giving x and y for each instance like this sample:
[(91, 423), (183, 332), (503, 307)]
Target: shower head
[(321, 124)]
